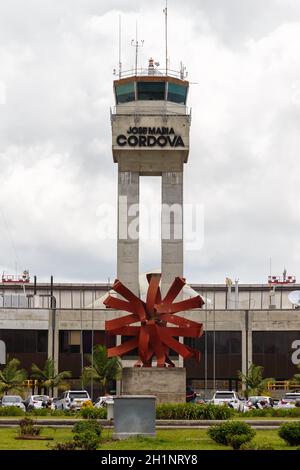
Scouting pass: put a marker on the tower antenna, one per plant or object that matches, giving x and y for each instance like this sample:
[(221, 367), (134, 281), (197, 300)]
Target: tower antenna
[(120, 61), (166, 34), (136, 44)]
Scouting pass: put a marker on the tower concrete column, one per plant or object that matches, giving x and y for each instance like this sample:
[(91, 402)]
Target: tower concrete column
[(171, 227), (128, 229), (247, 343)]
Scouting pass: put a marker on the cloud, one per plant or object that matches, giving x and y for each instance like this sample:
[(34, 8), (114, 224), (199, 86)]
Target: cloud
[(57, 59)]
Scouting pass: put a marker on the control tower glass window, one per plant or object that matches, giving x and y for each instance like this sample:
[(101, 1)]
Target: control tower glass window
[(125, 93), (151, 91), (177, 93)]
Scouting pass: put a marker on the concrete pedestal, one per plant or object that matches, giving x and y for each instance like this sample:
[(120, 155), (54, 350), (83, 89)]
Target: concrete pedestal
[(134, 416), (110, 409), (167, 384)]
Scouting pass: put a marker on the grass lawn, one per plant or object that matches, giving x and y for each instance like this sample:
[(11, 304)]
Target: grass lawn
[(175, 439)]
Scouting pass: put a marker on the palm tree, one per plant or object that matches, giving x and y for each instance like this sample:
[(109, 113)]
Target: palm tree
[(254, 381), (11, 377), (102, 368), (296, 378), (49, 377)]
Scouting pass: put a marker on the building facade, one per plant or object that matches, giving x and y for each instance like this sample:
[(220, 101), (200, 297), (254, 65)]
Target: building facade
[(34, 327)]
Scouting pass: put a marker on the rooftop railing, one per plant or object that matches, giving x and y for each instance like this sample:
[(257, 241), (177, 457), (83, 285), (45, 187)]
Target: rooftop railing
[(155, 72)]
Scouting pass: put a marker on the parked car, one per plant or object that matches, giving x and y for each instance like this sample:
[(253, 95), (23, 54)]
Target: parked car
[(289, 400), (260, 402), (101, 402), (36, 402), (291, 397), (13, 400), (72, 400), (228, 397)]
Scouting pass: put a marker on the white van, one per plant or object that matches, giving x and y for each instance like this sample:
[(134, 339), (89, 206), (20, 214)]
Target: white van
[(72, 400)]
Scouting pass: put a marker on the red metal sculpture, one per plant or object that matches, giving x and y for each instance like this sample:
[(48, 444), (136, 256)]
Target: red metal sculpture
[(153, 337)]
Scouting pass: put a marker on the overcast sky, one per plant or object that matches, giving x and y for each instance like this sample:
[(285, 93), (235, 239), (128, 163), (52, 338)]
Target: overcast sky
[(56, 167)]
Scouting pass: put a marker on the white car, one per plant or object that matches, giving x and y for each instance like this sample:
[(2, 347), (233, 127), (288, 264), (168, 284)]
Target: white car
[(289, 400), (13, 400), (227, 397), (36, 402), (72, 400), (101, 402)]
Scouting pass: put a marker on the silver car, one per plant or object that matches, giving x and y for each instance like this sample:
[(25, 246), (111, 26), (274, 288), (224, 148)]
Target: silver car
[(13, 400)]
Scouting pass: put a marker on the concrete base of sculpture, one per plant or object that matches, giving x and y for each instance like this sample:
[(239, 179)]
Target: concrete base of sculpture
[(134, 416), (168, 384)]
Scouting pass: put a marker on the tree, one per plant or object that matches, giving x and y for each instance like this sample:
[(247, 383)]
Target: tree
[(102, 369), (11, 377), (49, 377), (254, 381)]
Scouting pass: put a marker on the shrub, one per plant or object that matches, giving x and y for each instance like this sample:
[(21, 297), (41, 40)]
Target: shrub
[(254, 446), (28, 428), (89, 425), (11, 411), (69, 445), (238, 440), (87, 434), (224, 433), (86, 440), (193, 411), (93, 413), (290, 432)]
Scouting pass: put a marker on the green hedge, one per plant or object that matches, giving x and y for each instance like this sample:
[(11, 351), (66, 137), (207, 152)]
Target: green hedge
[(47, 412), (11, 411), (92, 413), (193, 411), (187, 411), (274, 412)]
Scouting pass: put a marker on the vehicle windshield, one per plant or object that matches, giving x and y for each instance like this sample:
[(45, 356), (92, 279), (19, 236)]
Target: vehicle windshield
[(78, 395), (224, 395), (11, 400), (40, 397)]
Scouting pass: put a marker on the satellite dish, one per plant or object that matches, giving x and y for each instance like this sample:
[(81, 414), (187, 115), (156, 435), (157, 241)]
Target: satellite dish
[(294, 297)]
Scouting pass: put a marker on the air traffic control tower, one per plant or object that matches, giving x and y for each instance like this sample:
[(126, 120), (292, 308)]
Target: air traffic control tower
[(150, 137)]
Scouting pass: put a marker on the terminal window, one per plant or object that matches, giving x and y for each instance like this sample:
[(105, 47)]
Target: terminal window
[(25, 341)]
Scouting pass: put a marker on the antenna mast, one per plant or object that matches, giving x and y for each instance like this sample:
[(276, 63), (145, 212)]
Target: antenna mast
[(136, 44), (120, 61), (166, 34)]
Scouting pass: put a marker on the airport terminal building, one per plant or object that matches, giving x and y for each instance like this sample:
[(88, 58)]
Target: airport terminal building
[(64, 321)]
